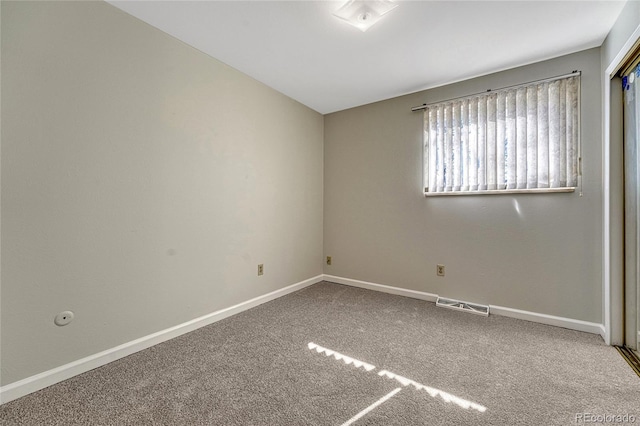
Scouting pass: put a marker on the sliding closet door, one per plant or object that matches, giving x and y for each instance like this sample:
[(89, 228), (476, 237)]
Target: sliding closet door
[(631, 86)]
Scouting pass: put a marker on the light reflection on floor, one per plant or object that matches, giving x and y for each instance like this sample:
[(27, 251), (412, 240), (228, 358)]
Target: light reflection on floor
[(338, 356), (433, 392), (446, 397), (371, 407)]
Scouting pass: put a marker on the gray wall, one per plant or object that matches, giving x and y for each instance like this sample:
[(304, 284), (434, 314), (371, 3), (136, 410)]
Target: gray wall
[(625, 25), (539, 253), (142, 183)]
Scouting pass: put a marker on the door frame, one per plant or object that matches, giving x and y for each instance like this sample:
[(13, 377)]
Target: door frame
[(613, 198)]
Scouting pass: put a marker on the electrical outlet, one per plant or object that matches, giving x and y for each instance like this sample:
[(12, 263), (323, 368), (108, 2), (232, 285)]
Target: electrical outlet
[(261, 269), (329, 260), (440, 270)]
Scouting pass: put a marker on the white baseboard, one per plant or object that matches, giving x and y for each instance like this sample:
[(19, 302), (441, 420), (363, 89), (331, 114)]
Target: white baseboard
[(572, 324), (414, 294), (42, 380)]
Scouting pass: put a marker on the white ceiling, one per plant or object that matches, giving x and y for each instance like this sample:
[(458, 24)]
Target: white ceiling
[(301, 50)]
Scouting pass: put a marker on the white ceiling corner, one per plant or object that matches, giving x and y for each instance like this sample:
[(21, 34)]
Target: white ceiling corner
[(301, 50)]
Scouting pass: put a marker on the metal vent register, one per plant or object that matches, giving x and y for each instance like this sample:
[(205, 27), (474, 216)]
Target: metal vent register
[(459, 305)]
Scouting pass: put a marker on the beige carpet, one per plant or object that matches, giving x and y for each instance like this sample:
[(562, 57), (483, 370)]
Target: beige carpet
[(331, 354)]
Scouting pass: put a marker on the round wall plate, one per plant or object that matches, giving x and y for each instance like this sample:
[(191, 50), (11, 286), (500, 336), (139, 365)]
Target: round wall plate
[(63, 318)]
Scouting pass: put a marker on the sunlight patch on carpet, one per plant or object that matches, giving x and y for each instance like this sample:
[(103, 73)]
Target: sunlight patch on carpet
[(445, 396), (341, 357), (404, 381), (371, 407)]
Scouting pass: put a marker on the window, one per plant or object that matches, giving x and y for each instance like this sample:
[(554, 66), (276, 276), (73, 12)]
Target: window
[(517, 139)]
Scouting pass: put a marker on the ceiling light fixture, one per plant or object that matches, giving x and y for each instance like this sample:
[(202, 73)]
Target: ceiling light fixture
[(362, 14)]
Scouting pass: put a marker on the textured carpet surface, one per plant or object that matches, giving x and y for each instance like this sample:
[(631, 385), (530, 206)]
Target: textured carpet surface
[(435, 367)]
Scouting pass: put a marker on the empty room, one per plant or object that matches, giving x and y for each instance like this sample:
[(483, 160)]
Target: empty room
[(319, 212)]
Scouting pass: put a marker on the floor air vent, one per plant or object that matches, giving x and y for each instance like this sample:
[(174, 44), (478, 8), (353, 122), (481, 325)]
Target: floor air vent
[(459, 305)]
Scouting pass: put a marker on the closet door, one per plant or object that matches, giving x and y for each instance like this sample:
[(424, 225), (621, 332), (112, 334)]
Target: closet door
[(631, 87)]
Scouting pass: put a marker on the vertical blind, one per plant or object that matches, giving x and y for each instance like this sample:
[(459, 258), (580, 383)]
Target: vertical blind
[(519, 138)]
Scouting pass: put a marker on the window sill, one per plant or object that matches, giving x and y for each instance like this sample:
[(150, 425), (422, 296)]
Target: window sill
[(502, 192)]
